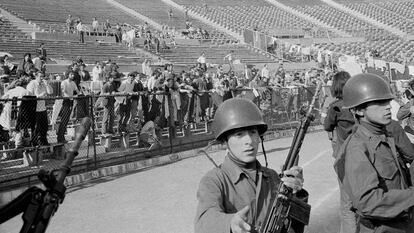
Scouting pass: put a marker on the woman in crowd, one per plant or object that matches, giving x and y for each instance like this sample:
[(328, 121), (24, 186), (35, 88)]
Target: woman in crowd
[(26, 65), (339, 123)]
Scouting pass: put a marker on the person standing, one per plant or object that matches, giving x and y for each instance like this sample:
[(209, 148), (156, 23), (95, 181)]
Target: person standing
[(69, 24), (39, 62), (138, 87), (75, 68), (95, 25), (339, 123), (69, 89), (26, 65), (235, 196), (106, 27), (265, 72), (108, 102), (126, 87), (81, 30), (40, 88), (84, 74), (97, 72), (170, 14), (203, 61), (370, 166), (118, 33), (146, 68), (9, 113), (42, 51), (229, 59)]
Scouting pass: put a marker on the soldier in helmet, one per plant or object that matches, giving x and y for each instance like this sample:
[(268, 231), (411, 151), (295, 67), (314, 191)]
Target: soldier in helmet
[(371, 161), (234, 197)]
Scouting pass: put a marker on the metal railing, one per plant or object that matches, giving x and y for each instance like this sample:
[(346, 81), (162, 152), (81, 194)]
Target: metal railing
[(126, 127)]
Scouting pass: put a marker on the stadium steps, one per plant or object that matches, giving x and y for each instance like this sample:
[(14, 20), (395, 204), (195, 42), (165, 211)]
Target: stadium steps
[(22, 25), (308, 18), (370, 20), (135, 14), (199, 17)]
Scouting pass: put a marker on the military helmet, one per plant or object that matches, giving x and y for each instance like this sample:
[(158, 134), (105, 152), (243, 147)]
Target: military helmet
[(234, 114), (363, 88)]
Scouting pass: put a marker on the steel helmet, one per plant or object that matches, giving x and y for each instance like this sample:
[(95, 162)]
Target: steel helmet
[(237, 113), (363, 88)]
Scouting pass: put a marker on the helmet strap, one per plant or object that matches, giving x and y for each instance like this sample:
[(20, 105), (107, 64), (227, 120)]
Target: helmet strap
[(264, 151), (204, 151)]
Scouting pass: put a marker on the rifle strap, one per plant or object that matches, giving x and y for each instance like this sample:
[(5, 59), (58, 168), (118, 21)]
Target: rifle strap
[(263, 150)]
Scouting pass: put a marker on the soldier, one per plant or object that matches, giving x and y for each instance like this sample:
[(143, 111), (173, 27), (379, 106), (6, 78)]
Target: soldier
[(235, 196), (370, 165)]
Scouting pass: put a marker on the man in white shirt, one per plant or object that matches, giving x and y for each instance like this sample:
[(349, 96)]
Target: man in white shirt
[(229, 59), (265, 72), (95, 24), (69, 89), (153, 81), (40, 88), (146, 68), (81, 30), (203, 61)]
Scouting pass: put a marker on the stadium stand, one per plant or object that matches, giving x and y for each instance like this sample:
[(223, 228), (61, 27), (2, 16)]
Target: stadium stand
[(402, 8), (8, 30), (156, 9), (391, 18), (262, 18), (186, 55), (68, 51), (215, 3), (345, 22), (58, 11)]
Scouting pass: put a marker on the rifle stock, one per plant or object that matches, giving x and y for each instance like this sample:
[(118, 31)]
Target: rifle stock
[(288, 210)]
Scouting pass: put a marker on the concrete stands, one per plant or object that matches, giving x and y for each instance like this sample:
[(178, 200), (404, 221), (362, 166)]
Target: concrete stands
[(57, 12), (345, 22), (391, 17)]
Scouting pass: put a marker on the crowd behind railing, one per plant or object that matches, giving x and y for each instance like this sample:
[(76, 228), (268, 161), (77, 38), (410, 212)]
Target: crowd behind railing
[(152, 106), (124, 103)]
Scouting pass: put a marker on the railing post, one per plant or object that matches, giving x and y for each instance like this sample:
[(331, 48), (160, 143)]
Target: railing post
[(92, 99)]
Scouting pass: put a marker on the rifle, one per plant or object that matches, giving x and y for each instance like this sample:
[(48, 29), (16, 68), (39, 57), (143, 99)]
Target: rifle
[(287, 207), (38, 205)]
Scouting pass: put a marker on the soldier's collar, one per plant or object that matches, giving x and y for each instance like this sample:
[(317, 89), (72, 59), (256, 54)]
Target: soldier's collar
[(374, 139), (235, 172)]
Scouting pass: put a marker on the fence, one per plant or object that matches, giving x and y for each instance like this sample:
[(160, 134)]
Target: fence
[(35, 132)]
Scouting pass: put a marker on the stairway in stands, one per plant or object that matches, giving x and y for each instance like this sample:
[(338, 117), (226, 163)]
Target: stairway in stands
[(308, 18)]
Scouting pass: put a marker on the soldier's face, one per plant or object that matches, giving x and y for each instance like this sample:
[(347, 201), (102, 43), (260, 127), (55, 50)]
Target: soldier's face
[(377, 112), (244, 143)]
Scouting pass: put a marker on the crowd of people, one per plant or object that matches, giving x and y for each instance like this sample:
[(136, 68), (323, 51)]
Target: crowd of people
[(154, 96), (167, 97)]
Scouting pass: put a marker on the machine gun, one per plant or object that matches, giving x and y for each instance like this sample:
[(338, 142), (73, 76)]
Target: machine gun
[(288, 208), (38, 205)]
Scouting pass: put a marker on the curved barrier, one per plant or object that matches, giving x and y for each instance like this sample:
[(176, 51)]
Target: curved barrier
[(161, 123)]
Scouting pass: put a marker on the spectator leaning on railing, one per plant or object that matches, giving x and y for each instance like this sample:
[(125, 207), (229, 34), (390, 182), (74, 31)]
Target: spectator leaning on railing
[(40, 88), (69, 89), (108, 104), (10, 111)]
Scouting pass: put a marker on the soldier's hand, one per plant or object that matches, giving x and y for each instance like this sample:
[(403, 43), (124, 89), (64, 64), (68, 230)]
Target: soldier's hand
[(293, 178), (238, 223)]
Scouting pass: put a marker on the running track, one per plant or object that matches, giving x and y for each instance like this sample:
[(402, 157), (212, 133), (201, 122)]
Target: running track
[(163, 199)]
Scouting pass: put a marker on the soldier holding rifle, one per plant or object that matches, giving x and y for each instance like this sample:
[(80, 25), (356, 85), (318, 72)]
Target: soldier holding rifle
[(235, 196), (370, 165)]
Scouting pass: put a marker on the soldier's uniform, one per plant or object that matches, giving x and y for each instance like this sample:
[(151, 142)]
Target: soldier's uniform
[(227, 189), (370, 166)]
